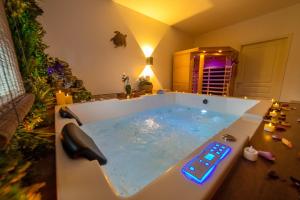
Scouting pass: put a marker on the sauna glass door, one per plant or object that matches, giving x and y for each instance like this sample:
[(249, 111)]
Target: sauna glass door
[(211, 74), (216, 75)]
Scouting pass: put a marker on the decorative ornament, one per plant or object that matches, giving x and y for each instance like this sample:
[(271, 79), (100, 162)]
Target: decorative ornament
[(119, 39)]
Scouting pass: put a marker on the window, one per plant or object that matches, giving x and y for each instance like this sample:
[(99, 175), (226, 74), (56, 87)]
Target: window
[(11, 85)]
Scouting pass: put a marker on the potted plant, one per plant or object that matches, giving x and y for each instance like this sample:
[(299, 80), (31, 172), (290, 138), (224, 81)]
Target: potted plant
[(145, 84), (127, 86)]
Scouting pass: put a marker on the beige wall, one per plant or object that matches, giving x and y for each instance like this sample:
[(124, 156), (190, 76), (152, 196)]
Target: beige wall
[(274, 25), (79, 32)]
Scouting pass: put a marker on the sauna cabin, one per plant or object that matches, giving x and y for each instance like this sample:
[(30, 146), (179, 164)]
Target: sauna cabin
[(205, 70)]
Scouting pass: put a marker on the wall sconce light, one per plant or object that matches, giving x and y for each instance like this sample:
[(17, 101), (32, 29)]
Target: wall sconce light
[(149, 60)]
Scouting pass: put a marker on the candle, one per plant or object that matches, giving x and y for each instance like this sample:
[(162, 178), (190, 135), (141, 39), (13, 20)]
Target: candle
[(60, 98), (274, 120), (269, 127), (276, 105), (68, 99), (273, 113)]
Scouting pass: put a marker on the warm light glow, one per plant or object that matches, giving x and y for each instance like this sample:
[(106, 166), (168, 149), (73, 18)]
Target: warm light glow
[(276, 105), (273, 100), (220, 51), (269, 127), (168, 12), (147, 72), (267, 137), (148, 50), (204, 51), (245, 97), (59, 91)]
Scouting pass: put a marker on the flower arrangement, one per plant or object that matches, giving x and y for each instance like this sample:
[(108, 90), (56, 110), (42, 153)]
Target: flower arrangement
[(127, 86)]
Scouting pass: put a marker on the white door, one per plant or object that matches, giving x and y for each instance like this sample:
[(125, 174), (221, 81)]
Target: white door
[(261, 69)]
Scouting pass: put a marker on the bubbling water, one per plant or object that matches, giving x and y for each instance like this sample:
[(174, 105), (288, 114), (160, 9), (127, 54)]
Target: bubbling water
[(141, 146)]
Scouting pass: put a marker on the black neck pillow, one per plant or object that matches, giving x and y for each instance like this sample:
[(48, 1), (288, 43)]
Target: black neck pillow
[(65, 112), (77, 143)]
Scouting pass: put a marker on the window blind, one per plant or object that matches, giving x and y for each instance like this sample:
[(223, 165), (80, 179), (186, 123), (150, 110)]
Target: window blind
[(14, 103), (11, 85)]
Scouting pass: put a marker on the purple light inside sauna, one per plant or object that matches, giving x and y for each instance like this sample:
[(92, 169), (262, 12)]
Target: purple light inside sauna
[(216, 61), (195, 74)]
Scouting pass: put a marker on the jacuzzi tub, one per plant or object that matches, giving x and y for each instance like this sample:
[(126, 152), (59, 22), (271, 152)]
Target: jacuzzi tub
[(83, 179)]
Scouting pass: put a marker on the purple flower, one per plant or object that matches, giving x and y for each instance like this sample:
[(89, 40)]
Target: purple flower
[(50, 70), (58, 67)]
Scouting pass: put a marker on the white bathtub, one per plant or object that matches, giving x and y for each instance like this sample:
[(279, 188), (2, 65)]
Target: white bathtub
[(83, 179)]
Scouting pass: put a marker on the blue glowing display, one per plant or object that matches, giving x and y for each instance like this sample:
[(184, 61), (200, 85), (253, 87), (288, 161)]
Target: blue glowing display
[(209, 156), (199, 171)]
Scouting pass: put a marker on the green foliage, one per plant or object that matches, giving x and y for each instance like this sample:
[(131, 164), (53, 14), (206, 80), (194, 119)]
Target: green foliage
[(28, 35), (33, 144), (128, 89), (14, 167), (82, 95), (32, 139), (29, 144), (142, 81)]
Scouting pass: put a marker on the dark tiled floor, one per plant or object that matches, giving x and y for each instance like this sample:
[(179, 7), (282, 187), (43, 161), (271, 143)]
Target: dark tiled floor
[(248, 180)]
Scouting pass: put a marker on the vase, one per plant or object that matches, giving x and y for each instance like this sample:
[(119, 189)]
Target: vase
[(147, 88)]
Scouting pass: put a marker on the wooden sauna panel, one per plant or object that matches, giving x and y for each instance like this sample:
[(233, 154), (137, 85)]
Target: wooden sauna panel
[(181, 72)]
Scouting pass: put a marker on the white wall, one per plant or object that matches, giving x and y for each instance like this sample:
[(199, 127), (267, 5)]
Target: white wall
[(79, 32), (274, 25)]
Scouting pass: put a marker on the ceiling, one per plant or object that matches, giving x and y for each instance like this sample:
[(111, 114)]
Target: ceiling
[(200, 16)]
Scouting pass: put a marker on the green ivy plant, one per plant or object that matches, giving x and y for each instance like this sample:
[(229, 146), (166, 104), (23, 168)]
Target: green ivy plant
[(27, 34), (13, 169), (34, 137)]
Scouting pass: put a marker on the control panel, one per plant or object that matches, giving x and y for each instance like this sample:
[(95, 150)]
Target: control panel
[(203, 165)]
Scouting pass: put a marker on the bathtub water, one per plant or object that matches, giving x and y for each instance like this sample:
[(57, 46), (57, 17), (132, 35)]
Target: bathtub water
[(141, 146)]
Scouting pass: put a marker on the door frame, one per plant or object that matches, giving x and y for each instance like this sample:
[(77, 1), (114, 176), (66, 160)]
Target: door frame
[(289, 38)]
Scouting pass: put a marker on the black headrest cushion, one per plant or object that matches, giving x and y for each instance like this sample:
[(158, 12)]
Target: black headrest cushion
[(76, 143), (65, 112)]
